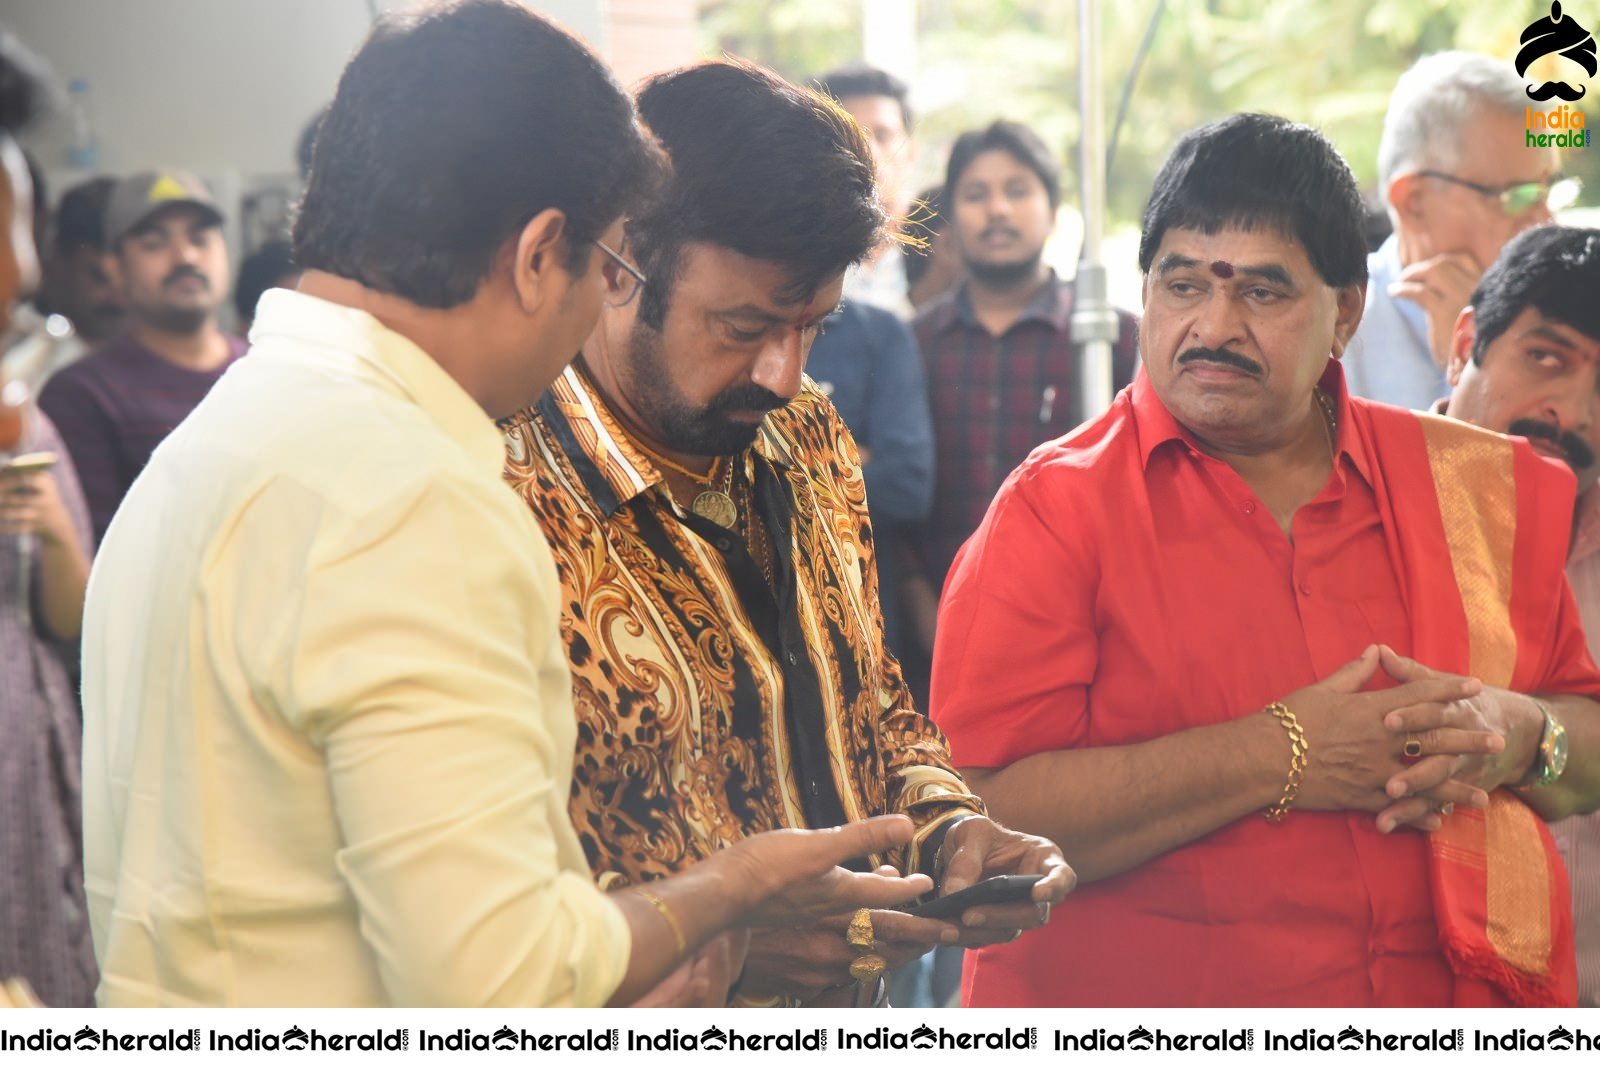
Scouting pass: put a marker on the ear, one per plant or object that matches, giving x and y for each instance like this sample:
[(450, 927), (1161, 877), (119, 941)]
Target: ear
[(1350, 303), (1407, 199), (1461, 342), (538, 260)]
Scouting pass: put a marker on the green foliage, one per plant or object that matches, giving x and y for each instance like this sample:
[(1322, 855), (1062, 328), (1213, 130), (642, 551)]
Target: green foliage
[(1325, 62)]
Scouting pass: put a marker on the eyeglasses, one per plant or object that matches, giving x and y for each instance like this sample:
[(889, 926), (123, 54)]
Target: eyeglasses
[(624, 285), (1554, 193)]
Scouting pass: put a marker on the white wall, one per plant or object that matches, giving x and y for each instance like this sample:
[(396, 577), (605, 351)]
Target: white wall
[(210, 85)]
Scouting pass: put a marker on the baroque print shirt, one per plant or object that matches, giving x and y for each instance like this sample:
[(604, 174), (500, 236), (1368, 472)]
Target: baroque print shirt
[(710, 708)]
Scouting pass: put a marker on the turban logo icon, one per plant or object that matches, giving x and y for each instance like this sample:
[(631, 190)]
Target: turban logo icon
[(1556, 34)]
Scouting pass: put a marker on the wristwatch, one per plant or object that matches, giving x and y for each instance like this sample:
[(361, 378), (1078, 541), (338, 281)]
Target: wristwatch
[(1550, 759)]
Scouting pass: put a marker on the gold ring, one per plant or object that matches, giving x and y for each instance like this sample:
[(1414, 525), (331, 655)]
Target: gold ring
[(867, 969), (1413, 747), (859, 933)]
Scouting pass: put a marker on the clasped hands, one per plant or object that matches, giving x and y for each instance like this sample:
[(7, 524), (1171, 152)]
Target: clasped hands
[(1469, 739)]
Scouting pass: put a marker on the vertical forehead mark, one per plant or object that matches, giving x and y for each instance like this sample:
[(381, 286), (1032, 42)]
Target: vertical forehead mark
[(1222, 268)]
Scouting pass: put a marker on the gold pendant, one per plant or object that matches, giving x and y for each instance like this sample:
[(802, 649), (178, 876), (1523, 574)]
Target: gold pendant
[(716, 506)]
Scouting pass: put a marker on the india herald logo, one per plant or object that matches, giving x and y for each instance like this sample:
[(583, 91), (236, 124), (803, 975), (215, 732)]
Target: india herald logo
[(1556, 34)]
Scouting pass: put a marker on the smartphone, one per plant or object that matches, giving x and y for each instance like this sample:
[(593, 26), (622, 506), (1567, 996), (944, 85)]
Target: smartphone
[(1000, 890), (28, 463)]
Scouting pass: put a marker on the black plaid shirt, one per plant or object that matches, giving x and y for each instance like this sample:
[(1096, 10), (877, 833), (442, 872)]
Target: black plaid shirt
[(994, 399)]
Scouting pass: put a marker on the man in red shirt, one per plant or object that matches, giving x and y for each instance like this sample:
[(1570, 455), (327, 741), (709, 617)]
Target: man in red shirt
[(1242, 593)]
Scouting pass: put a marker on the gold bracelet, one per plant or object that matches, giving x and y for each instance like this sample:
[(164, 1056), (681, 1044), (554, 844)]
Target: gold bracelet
[(1298, 750), (666, 914)]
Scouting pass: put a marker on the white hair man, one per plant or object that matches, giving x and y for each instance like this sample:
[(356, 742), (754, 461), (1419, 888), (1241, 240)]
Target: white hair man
[(1459, 181)]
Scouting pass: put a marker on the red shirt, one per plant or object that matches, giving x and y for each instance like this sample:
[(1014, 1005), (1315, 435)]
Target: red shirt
[(1125, 586)]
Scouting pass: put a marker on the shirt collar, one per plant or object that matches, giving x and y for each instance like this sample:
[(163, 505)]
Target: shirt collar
[(1052, 306), (330, 333), (615, 470), (1156, 426)]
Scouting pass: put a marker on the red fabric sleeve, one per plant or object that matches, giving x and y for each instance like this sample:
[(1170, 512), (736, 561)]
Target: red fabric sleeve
[(1016, 645)]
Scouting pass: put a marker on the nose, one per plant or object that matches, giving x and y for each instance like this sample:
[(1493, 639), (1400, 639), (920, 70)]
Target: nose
[(998, 205), (781, 365), (1575, 408), (1217, 322), (188, 250)]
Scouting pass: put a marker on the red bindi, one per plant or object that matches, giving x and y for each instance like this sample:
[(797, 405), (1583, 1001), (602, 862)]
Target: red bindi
[(1222, 268)]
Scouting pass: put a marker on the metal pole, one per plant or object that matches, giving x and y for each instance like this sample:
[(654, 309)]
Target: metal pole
[(1094, 322)]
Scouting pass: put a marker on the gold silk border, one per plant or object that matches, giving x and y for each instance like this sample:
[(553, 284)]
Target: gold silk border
[(1476, 486)]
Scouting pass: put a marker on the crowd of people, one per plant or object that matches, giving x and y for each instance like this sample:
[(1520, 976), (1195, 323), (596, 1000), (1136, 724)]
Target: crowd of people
[(646, 555)]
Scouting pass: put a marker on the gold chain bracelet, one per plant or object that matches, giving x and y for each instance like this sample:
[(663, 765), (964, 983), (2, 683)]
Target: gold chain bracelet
[(1298, 751), (666, 914)]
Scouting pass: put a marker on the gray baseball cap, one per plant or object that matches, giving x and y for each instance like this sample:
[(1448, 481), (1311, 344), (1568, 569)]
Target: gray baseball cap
[(135, 199)]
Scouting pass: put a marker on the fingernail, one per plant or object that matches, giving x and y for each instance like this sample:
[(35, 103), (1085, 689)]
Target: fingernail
[(975, 919)]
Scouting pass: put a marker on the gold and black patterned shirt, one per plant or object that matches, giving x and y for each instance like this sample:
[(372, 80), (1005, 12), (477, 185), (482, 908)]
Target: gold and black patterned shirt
[(708, 707)]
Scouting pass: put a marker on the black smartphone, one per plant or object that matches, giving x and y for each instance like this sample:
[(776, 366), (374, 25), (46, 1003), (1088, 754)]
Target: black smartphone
[(999, 890)]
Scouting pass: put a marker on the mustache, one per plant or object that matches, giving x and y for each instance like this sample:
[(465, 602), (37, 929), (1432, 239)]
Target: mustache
[(180, 273), (1580, 456), (1226, 357), (751, 398), (1553, 89)]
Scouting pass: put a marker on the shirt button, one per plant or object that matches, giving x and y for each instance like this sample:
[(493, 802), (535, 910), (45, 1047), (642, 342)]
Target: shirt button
[(1305, 588), (793, 660), (724, 544), (1249, 507)]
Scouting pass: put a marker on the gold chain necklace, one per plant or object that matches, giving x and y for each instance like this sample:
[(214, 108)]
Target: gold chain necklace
[(1330, 421), (710, 503), (757, 538)]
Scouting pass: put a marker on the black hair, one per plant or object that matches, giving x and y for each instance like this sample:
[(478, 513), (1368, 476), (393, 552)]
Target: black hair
[(451, 128), (860, 80), (1012, 138), (81, 216), (258, 273), (1262, 172), (759, 166), (23, 84), (306, 147), (1555, 269)]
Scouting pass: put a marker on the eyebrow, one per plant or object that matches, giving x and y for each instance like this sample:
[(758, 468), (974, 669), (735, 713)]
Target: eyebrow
[(1269, 272), (762, 315), (1550, 333)]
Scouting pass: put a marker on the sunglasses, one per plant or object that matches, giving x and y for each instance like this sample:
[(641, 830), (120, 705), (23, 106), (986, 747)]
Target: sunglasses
[(1554, 193)]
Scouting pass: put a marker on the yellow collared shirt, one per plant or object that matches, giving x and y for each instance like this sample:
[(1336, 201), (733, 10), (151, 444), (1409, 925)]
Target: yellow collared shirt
[(328, 725)]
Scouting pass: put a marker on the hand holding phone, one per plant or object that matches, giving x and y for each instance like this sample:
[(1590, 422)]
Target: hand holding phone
[(999, 890)]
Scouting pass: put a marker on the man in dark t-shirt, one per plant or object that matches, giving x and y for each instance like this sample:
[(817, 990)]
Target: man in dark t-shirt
[(170, 267)]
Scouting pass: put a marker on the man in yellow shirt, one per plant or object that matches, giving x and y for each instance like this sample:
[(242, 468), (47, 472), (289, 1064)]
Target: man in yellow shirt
[(328, 724)]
